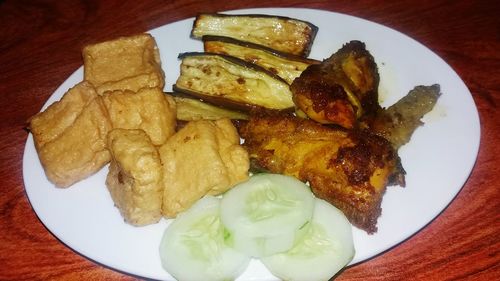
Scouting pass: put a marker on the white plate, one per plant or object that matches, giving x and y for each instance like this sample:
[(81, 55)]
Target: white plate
[(438, 159)]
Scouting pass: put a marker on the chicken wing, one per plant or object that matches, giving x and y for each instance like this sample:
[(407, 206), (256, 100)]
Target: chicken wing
[(398, 122), (341, 89)]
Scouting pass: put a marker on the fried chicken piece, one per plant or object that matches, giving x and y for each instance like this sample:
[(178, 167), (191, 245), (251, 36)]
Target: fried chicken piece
[(341, 89), (70, 136), (126, 63), (398, 122), (135, 176), (204, 157), (149, 109), (350, 169)]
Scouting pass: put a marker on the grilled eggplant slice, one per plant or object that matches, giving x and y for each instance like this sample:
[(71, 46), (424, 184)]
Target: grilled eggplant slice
[(284, 65), (193, 109), (232, 83), (284, 34)]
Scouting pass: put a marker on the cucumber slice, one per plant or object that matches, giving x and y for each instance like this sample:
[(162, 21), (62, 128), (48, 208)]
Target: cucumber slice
[(325, 249), (267, 214), (194, 246)]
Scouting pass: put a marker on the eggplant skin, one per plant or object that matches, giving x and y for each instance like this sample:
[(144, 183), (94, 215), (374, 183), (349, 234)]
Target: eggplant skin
[(286, 66), (284, 34), (232, 83)]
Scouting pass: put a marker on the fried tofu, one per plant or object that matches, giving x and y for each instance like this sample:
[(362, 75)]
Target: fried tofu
[(126, 63), (149, 109), (70, 136), (135, 176), (204, 157), (135, 83)]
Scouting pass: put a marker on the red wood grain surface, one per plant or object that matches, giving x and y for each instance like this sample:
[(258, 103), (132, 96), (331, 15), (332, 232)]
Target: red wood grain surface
[(40, 46)]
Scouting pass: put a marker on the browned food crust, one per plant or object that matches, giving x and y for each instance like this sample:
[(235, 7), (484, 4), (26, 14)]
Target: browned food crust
[(341, 89), (350, 169)]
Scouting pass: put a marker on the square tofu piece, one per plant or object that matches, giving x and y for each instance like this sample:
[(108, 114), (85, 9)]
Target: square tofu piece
[(135, 83), (125, 63), (134, 178), (149, 109), (70, 136), (204, 157)]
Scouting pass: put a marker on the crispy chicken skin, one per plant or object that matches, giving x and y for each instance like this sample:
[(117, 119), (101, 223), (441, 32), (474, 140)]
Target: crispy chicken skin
[(340, 89), (70, 136), (350, 169), (135, 176), (204, 157)]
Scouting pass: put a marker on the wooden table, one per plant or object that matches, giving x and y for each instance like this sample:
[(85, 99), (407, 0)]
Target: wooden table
[(40, 44)]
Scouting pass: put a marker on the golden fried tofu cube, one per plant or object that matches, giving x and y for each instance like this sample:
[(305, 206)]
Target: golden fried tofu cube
[(135, 83), (125, 63), (149, 109), (49, 124), (135, 176), (70, 136), (204, 157)]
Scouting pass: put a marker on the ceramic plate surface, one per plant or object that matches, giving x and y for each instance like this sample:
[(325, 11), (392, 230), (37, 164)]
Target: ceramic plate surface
[(438, 159)]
